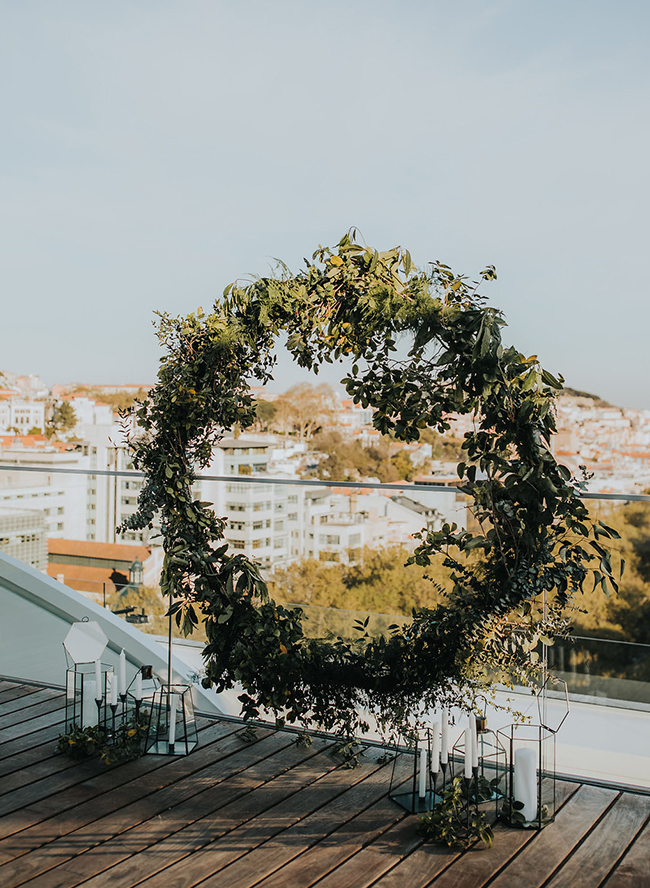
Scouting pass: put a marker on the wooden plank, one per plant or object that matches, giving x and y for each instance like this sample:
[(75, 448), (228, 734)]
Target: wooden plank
[(40, 767), (65, 812), (25, 704), (224, 782), (24, 717), (306, 859), (372, 861), (605, 845), (21, 731), (253, 849), (43, 746), (551, 845), (42, 737), (633, 871), (420, 867), (292, 854), (11, 691), (245, 819)]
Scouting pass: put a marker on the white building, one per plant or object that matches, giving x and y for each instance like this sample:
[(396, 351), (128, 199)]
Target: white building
[(110, 498), (257, 513), (20, 415), (60, 497)]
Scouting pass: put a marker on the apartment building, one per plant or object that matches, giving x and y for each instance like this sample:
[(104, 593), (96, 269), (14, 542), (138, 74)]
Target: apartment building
[(257, 513)]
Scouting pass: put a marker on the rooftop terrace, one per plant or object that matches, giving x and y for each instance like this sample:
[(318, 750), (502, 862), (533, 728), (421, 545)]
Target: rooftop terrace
[(268, 813)]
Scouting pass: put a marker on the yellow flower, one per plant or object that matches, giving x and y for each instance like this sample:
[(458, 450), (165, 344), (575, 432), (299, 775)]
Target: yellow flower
[(132, 732)]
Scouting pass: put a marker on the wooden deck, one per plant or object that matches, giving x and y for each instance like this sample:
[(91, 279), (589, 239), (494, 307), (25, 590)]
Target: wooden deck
[(272, 815)]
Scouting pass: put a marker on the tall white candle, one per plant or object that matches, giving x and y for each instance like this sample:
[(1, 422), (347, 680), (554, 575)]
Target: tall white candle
[(122, 672), (525, 782), (423, 769), (113, 690), (98, 680), (468, 754), (472, 730), (444, 738), (172, 720), (138, 686), (435, 748), (89, 708)]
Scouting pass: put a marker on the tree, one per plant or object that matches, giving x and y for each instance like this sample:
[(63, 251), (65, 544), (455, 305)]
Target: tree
[(380, 583), (444, 447), (64, 418), (346, 460), (35, 430), (304, 408), (626, 615), (266, 411)]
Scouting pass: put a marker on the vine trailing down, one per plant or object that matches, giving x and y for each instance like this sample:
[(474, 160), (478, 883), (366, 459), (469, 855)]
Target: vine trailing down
[(534, 535)]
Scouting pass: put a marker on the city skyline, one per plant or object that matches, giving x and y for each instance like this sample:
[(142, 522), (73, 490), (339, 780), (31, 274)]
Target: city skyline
[(152, 156)]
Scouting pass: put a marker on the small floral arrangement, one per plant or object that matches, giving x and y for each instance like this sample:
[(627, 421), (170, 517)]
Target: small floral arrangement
[(125, 744), (82, 743), (448, 823)]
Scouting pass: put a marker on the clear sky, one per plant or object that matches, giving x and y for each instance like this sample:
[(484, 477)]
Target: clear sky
[(154, 151)]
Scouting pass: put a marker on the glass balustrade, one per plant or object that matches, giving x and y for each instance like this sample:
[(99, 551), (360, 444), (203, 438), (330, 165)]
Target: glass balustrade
[(335, 549)]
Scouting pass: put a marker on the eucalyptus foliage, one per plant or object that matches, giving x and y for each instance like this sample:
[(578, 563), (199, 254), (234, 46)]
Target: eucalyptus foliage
[(534, 535)]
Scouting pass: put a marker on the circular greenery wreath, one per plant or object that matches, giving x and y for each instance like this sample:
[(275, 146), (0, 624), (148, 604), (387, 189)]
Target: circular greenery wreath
[(533, 532)]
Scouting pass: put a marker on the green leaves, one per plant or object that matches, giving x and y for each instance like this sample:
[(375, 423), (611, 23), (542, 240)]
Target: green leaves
[(450, 824)]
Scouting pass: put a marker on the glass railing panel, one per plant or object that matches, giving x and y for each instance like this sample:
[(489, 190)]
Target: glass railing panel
[(337, 550), (603, 669)]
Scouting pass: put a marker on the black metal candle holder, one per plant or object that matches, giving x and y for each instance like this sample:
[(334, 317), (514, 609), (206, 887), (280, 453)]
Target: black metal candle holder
[(409, 795), (172, 724)]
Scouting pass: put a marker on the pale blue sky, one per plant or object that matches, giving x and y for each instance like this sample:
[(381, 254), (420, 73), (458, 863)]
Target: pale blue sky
[(154, 151)]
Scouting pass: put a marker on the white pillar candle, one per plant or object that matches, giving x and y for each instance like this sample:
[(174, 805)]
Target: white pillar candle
[(468, 754), (525, 782), (113, 690), (172, 720), (98, 680), (122, 672), (472, 730), (435, 748), (138, 686), (89, 708), (423, 769), (444, 738)]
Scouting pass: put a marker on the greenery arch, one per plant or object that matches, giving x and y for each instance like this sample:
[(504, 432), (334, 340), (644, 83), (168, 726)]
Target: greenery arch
[(534, 535)]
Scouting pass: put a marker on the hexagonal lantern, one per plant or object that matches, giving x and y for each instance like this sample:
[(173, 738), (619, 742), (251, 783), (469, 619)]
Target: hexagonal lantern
[(530, 799), (85, 642), (86, 678)]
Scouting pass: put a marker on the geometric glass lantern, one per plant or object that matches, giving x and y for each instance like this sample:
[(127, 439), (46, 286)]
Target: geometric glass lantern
[(85, 641), (420, 793), (481, 768), (87, 678), (172, 724), (529, 776), (491, 757)]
